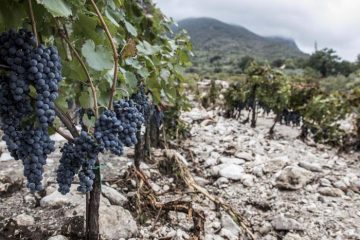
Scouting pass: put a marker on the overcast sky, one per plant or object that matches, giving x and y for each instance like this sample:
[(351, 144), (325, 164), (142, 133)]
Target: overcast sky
[(332, 23)]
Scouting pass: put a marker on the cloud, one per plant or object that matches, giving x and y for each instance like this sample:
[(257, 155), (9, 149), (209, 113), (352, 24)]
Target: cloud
[(331, 23)]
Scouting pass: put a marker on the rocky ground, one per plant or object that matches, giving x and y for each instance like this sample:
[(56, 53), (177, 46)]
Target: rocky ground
[(286, 189)]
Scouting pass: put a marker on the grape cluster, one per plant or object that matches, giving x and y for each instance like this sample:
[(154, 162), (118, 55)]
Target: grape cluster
[(87, 151), (68, 168), (78, 157), (113, 130), (44, 69), (131, 120), (142, 103), (14, 50), (290, 117), (35, 146), (32, 143), (107, 129)]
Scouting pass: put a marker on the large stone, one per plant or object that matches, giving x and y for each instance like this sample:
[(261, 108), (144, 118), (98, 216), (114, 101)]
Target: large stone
[(5, 156), (231, 171), (11, 180), (293, 178), (56, 199), (58, 237), (276, 164), (294, 236), (310, 166), (244, 155), (113, 196), (342, 184), (115, 221), (282, 223), (355, 185), (247, 180), (25, 220), (330, 191), (229, 224), (228, 160)]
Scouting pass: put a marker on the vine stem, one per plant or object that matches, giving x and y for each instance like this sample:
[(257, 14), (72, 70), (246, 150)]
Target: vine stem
[(64, 135), (114, 49), (4, 67), (33, 22), (82, 63)]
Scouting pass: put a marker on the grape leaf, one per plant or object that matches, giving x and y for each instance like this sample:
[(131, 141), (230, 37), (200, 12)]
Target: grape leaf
[(98, 57), (131, 29), (86, 99), (130, 79), (58, 8), (146, 48)]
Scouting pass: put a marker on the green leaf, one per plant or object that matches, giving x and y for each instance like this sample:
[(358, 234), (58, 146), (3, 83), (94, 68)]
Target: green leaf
[(143, 72), (133, 63), (58, 8), (85, 27), (131, 79), (131, 29), (165, 74), (146, 48), (90, 123), (12, 14), (86, 99), (98, 57)]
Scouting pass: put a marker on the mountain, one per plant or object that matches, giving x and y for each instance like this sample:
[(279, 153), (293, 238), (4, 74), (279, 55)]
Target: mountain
[(213, 39)]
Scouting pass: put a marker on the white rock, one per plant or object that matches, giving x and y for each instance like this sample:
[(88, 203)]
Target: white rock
[(324, 182), (276, 164), (228, 160), (115, 221), (228, 223), (330, 191), (355, 185), (244, 155), (58, 237), (25, 220), (57, 138), (211, 162), (231, 171), (294, 236), (221, 181), (293, 178), (342, 184), (258, 171), (283, 223), (247, 180), (5, 156), (114, 196), (56, 199), (30, 200), (265, 228), (311, 166)]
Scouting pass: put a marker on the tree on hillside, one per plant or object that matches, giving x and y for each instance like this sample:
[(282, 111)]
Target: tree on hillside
[(245, 62), (325, 61)]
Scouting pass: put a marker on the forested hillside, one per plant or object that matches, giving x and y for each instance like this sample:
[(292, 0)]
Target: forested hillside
[(219, 43)]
